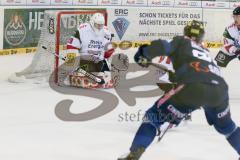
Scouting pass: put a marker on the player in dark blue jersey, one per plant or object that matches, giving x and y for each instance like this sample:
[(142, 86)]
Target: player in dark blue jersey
[(199, 84)]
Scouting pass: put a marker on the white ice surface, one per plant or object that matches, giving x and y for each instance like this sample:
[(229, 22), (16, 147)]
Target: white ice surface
[(30, 130)]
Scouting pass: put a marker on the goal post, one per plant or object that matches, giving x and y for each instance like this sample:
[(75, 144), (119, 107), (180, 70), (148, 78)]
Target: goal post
[(58, 26)]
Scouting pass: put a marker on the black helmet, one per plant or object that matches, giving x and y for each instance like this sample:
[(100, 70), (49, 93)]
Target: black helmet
[(236, 11), (194, 29)]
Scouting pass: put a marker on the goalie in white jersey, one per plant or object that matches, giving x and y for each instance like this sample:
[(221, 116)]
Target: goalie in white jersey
[(93, 42)]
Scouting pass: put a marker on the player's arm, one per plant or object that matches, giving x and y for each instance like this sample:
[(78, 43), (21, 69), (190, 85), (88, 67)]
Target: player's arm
[(231, 50), (109, 49), (74, 43), (146, 53), (109, 53), (231, 45)]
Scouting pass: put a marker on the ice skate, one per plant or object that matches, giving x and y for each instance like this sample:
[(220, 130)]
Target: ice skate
[(134, 155)]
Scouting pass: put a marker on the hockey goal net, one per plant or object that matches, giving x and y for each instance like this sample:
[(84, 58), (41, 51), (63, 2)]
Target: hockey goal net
[(58, 26)]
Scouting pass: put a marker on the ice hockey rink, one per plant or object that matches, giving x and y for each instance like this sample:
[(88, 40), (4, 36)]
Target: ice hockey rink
[(30, 130)]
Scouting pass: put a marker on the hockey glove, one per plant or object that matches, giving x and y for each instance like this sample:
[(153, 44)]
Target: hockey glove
[(140, 59), (109, 53), (223, 59)]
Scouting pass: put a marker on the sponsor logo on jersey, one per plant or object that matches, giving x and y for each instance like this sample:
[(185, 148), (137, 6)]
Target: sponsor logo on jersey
[(15, 31), (121, 26), (176, 112), (224, 113), (95, 44), (221, 57)]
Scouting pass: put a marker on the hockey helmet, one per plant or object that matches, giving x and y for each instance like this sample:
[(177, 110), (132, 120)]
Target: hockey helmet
[(194, 29), (97, 22), (236, 11)]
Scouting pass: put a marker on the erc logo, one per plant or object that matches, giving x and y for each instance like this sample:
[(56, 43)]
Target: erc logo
[(120, 25)]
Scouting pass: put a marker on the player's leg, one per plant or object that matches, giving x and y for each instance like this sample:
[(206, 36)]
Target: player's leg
[(220, 118), (146, 133), (218, 114), (174, 110), (154, 118)]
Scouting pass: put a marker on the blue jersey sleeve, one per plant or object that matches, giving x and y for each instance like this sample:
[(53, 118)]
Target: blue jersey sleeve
[(157, 48)]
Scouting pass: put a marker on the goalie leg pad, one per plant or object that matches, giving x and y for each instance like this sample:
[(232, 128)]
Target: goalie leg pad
[(90, 66), (80, 80)]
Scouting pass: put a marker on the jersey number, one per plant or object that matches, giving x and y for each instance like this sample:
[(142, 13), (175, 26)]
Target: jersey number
[(202, 55)]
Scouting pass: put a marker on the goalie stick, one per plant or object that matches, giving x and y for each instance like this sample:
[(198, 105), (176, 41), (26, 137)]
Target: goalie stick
[(80, 70)]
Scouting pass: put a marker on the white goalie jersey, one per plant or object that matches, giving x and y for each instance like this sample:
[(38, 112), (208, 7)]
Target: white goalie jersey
[(89, 43)]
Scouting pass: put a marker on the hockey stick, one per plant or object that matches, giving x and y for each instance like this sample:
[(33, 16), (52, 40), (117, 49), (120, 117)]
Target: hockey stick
[(166, 97), (90, 75), (160, 67), (80, 70), (162, 100), (170, 125)]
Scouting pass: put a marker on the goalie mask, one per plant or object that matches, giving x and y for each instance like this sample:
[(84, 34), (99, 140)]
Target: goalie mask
[(97, 22), (194, 30)]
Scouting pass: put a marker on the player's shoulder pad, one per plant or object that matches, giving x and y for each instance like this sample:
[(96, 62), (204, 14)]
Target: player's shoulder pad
[(229, 32), (179, 39)]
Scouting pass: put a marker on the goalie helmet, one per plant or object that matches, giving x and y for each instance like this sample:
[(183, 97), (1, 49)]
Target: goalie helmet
[(97, 22), (194, 30)]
